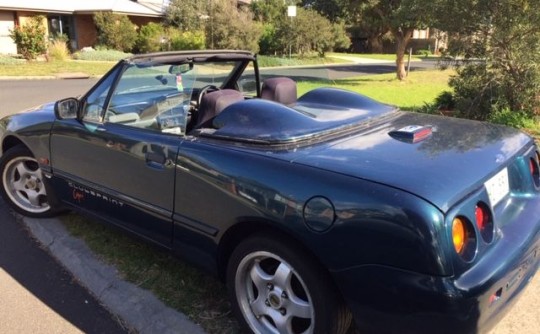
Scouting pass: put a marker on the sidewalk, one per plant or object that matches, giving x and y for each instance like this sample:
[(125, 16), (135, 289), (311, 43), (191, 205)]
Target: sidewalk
[(362, 60)]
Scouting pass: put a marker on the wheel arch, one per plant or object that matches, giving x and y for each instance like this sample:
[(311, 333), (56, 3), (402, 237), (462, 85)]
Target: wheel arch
[(12, 141), (243, 230)]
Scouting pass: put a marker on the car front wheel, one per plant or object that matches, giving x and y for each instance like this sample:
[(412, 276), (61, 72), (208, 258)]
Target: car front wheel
[(22, 183), (278, 288)]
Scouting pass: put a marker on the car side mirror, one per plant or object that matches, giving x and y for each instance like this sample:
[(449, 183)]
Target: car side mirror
[(66, 108)]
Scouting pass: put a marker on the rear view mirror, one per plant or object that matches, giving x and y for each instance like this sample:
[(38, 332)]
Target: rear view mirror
[(66, 108), (180, 69)]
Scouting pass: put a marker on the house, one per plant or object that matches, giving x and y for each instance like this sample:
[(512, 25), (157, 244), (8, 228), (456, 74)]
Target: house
[(72, 18)]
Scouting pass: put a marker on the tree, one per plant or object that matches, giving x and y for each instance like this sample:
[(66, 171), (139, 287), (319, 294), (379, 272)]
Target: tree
[(503, 39), (307, 32), (188, 15), (334, 10), (268, 11), (30, 37), (230, 27), (115, 31), (400, 17)]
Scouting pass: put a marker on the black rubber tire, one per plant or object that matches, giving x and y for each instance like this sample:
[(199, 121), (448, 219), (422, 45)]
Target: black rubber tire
[(16, 199), (329, 311)]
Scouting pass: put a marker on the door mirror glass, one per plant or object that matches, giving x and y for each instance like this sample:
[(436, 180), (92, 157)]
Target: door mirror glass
[(67, 108)]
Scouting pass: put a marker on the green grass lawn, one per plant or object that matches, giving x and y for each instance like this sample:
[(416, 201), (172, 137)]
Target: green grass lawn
[(420, 87), (41, 68), (378, 56), (178, 284)]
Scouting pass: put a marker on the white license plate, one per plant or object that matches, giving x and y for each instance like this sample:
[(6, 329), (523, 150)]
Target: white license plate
[(498, 187)]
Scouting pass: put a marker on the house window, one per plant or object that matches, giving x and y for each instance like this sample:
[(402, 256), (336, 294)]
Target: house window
[(62, 25)]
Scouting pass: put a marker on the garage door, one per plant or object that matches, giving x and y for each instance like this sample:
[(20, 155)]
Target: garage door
[(6, 24)]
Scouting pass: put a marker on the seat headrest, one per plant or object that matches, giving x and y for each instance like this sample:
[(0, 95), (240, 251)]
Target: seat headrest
[(280, 89), (214, 102)]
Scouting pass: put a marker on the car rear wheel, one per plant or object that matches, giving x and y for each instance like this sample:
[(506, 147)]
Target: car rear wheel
[(278, 288), (22, 183)]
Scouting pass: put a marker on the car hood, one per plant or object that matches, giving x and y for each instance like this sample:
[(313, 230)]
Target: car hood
[(29, 119), (443, 167)]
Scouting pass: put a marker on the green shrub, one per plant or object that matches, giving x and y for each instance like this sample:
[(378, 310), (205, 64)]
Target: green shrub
[(186, 40), (508, 117), (445, 101), (268, 43), (115, 31), (150, 38), (101, 55), (424, 52), (428, 108), (30, 37), (58, 49)]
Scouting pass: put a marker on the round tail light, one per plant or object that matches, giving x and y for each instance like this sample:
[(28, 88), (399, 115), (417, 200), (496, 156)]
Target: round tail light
[(464, 238), (459, 235), (484, 221)]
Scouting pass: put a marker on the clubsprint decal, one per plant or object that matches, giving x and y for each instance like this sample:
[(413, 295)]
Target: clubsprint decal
[(79, 194)]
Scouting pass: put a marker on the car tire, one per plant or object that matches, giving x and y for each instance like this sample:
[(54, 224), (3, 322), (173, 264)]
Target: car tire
[(22, 183), (276, 287)]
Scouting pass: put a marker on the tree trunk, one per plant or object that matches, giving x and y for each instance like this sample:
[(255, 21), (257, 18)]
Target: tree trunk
[(402, 36)]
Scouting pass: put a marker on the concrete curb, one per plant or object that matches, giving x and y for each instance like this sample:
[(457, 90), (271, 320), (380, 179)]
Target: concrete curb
[(138, 308)]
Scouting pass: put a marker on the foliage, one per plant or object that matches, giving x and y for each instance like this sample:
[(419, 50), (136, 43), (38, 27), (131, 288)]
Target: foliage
[(334, 10), (150, 38), (115, 31), (424, 52), (340, 37), (400, 17), (268, 11), (230, 27), (508, 117), (503, 36), (186, 40), (30, 37), (268, 43), (309, 32), (187, 15), (445, 101), (58, 49), (101, 55)]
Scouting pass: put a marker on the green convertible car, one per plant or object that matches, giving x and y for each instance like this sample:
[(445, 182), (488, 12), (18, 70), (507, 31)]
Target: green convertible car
[(319, 211)]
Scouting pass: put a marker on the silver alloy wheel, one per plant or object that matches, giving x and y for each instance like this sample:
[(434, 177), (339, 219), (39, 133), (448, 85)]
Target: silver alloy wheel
[(272, 296), (23, 183)]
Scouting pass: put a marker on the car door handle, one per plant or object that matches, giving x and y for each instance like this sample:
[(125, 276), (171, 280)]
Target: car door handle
[(156, 160)]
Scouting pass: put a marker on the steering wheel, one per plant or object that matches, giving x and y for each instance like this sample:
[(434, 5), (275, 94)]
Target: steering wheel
[(203, 92)]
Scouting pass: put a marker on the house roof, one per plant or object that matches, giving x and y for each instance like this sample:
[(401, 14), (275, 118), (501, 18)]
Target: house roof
[(83, 7)]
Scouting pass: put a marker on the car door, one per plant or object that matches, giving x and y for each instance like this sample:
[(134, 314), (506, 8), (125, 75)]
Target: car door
[(117, 160)]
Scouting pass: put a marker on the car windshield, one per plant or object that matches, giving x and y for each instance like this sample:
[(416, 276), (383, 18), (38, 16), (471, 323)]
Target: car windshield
[(160, 96)]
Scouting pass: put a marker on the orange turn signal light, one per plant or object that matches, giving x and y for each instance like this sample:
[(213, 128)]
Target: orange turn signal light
[(459, 234)]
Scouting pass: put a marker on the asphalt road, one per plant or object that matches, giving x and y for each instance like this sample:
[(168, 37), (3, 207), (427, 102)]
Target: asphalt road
[(37, 295), (18, 95)]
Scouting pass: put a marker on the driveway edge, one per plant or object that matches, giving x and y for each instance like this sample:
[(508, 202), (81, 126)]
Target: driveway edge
[(138, 308)]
